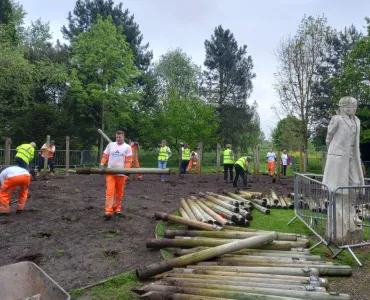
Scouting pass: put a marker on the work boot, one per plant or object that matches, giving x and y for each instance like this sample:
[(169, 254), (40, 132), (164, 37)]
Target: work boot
[(107, 217), (18, 212), (38, 174), (52, 173), (118, 214)]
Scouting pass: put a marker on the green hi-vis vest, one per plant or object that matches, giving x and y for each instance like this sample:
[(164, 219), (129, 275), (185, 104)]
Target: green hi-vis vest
[(227, 157), (242, 162), (186, 154), (163, 154), (25, 152)]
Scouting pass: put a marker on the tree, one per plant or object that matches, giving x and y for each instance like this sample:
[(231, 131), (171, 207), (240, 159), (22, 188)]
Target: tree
[(16, 84), (339, 43), (299, 58), (188, 120), (86, 13), (104, 68), (354, 81), (176, 71), (8, 30), (228, 82), (287, 134)]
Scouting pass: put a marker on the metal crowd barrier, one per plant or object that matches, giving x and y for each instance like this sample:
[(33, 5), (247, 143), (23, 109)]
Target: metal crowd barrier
[(351, 218), (340, 218), (313, 206), (76, 158)]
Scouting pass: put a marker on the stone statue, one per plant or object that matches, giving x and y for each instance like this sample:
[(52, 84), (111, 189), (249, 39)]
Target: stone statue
[(343, 168)]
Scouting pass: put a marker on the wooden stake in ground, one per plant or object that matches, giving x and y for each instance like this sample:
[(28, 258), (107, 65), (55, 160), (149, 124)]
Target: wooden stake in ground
[(252, 242), (218, 161), (67, 155)]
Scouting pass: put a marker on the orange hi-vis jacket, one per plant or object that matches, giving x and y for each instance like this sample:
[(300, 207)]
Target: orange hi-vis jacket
[(51, 150)]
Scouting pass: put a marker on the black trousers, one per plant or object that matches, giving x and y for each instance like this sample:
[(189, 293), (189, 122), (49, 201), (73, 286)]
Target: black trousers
[(184, 164), (284, 170), (239, 171), (228, 168), (50, 163)]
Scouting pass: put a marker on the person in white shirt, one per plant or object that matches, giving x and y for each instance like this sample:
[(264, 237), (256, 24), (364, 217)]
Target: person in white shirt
[(270, 160), (118, 154), (284, 162), (11, 178), (51, 151)]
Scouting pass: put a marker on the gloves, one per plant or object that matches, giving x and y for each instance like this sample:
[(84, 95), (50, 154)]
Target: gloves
[(102, 170)]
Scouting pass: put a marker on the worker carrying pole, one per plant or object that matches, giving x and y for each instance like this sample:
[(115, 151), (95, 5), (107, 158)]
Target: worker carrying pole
[(118, 155)]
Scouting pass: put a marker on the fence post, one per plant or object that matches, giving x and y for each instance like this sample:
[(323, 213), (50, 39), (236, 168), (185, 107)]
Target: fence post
[(255, 162), (67, 155), (46, 152), (134, 162), (218, 161), (305, 161), (8, 142), (301, 160), (278, 166), (200, 158), (258, 163), (323, 160), (180, 159)]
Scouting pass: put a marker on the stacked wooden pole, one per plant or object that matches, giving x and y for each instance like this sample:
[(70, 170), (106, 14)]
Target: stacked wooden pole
[(218, 259)]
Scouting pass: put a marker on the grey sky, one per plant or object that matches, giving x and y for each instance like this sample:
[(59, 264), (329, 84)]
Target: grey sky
[(168, 24)]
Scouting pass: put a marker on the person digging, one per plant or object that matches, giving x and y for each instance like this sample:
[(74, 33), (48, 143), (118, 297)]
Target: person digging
[(241, 169)]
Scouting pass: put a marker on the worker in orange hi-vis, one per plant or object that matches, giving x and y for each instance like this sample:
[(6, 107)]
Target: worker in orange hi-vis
[(270, 160), (11, 178), (135, 157), (193, 162), (118, 154)]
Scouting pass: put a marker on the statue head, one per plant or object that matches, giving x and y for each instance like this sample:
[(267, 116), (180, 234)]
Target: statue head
[(347, 106)]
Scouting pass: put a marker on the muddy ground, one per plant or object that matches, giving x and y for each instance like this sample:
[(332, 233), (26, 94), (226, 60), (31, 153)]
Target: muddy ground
[(62, 229)]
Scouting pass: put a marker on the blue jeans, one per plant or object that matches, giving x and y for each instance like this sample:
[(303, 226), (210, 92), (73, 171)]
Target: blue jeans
[(21, 163), (184, 164), (162, 165)]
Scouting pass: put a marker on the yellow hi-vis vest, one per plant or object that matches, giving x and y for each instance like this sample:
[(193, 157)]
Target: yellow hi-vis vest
[(227, 157), (242, 162), (186, 154), (25, 152), (163, 154)]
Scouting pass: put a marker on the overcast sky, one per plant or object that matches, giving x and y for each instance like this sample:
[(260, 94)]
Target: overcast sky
[(168, 24)]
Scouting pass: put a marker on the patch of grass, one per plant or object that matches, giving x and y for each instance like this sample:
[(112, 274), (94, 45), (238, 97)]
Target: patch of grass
[(61, 252), (117, 287), (129, 216), (159, 233), (112, 233), (112, 261), (77, 190)]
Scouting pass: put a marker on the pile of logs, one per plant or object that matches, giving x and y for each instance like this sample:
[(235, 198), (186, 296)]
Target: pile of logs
[(217, 259)]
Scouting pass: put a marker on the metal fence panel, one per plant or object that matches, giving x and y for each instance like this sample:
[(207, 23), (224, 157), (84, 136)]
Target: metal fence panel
[(313, 206)]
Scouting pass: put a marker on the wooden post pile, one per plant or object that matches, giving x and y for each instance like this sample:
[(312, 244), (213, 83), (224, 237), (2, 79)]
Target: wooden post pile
[(221, 257)]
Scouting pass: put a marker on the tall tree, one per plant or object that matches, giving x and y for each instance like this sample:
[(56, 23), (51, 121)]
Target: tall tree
[(103, 65), (299, 58), (189, 120), (8, 29), (287, 135), (86, 13), (354, 81), (340, 43), (228, 82), (176, 71)]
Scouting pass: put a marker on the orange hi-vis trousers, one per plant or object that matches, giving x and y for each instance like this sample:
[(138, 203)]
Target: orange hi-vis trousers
[(9, 185), (271, 166), (114, 193), (191, 164)]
